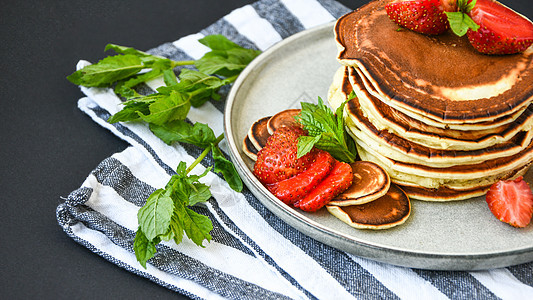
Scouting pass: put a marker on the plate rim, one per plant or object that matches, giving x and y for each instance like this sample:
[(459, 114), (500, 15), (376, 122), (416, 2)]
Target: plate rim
[(382, 253)]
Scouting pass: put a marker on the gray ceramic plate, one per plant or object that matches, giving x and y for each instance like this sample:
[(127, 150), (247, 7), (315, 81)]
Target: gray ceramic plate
[(446, 236)]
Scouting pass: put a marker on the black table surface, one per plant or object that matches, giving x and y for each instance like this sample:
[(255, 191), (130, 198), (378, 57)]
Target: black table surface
[(49, 146)]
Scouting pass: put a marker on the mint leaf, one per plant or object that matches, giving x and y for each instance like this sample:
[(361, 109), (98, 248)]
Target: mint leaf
[(199, 193), (107, 71), (326, 131), (218, 42), (167, 108), (176, 228), (196, 226), (227, 169), (306, 144), (130, 112), (169, 77), (147, 59), (154, 216), (226, 58), (201, 86), (144, 249), (181, 131)]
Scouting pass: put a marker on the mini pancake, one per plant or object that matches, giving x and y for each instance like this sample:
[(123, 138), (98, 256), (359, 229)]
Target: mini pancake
[(370, 182), (249, 149), (388, 211), (263, 128), (413, 71), (258, 133), (283, 118)]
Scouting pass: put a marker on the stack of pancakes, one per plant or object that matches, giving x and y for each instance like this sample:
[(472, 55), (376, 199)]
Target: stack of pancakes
[(443, 120)]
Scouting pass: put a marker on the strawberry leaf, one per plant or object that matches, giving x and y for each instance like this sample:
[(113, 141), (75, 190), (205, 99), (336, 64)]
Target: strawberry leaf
[(460, 21)]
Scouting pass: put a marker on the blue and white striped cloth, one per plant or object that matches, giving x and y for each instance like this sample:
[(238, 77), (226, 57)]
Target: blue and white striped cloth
[(253, 254)]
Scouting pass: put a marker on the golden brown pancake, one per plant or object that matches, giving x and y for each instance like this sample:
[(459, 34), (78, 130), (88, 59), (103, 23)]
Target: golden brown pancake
[(390, 210), (400, 149), (384, 116), (439, 77), (258, 133), (370, 182), (427, 173)]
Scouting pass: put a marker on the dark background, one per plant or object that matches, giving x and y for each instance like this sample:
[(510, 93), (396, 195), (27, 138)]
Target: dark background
[(48, 146)]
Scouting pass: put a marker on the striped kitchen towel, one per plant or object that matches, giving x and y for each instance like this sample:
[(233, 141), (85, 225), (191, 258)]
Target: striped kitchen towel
[(253, 254)]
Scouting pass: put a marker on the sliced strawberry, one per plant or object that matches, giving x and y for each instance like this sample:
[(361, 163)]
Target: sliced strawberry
[(278, 159), (423, 16), (511, 201), (295, 188), (336, 182), (501, 31)]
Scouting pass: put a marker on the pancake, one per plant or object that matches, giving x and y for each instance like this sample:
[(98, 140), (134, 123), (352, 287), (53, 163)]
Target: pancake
[(370, 182), (385, 117), (283, 118), (479, 126), (444, 194), (249, 149), (474, 88), (258, 133), (458, 177), (389, 210), (423, 172), (400, 149)]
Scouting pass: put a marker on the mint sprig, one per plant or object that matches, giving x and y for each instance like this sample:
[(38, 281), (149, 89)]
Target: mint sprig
[(326, 131), (167, 214), (166, 110)]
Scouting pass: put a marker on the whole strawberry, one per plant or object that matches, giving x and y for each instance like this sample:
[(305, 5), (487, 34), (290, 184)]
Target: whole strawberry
[(277, 160), (423, 16), (511, 201)]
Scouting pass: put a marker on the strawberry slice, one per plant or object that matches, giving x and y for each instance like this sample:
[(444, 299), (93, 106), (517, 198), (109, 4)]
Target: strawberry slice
[(501, 31), (336, 182), (423, 16), (511, 201), (278, 159), (295, 188)]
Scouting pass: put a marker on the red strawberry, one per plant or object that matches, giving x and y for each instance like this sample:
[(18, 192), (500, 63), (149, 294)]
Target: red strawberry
[(295, 188), (335, 183), (501, 31), (423, 16), (511, 201), (277, 160)]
